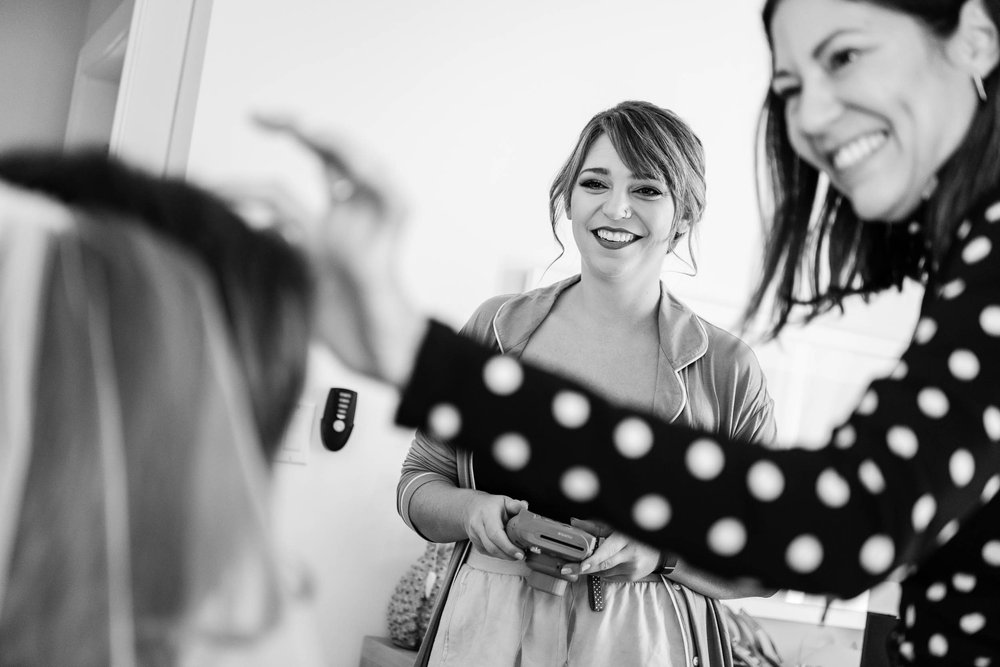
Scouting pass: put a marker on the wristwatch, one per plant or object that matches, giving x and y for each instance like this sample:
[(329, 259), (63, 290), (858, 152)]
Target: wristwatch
[(668, 561)]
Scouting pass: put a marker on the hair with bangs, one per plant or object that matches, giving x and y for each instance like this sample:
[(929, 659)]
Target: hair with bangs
[(653, 142), (818, 252)]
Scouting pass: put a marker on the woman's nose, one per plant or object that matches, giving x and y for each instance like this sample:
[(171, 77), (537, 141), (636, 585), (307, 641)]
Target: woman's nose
[(616, 206), (816, 108)]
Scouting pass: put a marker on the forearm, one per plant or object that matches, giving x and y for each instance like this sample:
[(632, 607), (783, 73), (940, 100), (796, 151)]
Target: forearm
[(437, 508), (716, 587)]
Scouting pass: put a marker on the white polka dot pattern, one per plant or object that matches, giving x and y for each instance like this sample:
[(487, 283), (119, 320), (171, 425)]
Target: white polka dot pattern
[(949, 531), (906, 650), (953, 290), (633, 438), (926, 328), (964, 365), (991, 553), (503, 375), (704, 459), (512, 451), (910, 616), (991, 488), (580, 484), (936, 592), (991, 422), (963, 582), (846, 437), (571, 409), (804, 554), (964, 229), (871, 476), (923, 512), (993, 213), (976, 250), (444, 421), (832, 489), (765, 481), (727, 537), (962, 467), (902, 441), (989, 320), (938, 646), (972, 623), (982, 662), (869, 403), (877, 554), (933, 402), (651, 512)]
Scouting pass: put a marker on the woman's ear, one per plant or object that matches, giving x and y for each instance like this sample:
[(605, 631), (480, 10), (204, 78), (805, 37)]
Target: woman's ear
[(978, 38), (682, 228)]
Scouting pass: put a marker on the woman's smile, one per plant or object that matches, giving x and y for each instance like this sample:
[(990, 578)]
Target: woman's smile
[(614, 238), (857, 150)]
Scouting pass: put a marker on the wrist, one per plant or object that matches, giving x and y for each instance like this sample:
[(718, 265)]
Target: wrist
[(666, 564)]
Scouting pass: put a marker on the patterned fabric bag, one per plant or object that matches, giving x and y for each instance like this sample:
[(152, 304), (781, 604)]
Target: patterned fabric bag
[(752, 646), (416, 593)]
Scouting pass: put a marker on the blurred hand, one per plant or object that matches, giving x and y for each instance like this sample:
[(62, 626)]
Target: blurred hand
[(616, 556), (484, 520), (362, 313)]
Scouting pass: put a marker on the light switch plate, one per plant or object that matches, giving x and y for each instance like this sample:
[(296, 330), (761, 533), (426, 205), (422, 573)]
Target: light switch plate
[(295, 445)]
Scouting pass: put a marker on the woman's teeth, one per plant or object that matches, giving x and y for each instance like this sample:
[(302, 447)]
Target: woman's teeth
[(615, 237), (854, 152)]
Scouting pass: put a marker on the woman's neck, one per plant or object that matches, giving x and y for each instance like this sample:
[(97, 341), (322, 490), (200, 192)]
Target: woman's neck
[(617, 302)]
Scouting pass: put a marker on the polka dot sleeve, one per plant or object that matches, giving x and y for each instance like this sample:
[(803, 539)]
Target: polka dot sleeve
[(916, 460)]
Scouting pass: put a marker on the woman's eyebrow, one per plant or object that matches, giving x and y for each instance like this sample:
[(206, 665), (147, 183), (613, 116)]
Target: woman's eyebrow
[(817, 50)]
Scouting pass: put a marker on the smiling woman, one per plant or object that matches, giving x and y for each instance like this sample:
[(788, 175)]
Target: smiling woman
[(885, 103), (907, 486), (867, 102), (632, 188)]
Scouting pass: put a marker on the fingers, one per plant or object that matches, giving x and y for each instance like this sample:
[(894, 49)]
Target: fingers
[(268, 205), (513, 507), (606, 555), (487, 523), (352, 176), (330, 149), (491, 539), (596, 528)]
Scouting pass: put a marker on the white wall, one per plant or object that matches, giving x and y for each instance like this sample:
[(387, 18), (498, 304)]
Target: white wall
[(474, 106), (39, 43)]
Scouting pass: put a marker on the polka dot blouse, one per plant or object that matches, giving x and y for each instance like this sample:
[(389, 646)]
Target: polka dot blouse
[(906, 486)]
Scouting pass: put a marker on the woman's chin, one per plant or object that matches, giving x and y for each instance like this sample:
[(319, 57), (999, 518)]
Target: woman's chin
[(884, 209)]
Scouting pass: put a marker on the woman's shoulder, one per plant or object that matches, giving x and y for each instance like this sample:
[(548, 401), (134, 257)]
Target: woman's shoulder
[(480, 322), (521, 310), (725, 346)]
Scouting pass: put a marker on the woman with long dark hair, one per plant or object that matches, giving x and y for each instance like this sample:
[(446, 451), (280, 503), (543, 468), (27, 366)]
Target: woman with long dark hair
[(881, 159)]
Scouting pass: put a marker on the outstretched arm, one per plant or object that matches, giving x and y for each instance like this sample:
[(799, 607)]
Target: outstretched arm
[(917, 458)]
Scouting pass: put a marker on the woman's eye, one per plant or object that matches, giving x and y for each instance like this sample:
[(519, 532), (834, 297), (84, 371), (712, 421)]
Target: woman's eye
[(843, 57), (591, 184), (647, 191), (785, 93)]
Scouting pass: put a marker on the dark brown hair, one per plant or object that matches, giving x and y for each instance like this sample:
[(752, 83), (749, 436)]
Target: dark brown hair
[(817, 250), (264, 284)]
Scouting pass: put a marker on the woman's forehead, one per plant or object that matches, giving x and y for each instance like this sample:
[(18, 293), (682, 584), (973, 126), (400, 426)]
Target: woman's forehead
[(799, 29), (640, 165)]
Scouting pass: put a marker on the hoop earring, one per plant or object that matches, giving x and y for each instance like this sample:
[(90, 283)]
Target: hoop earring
[(977, 81)]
